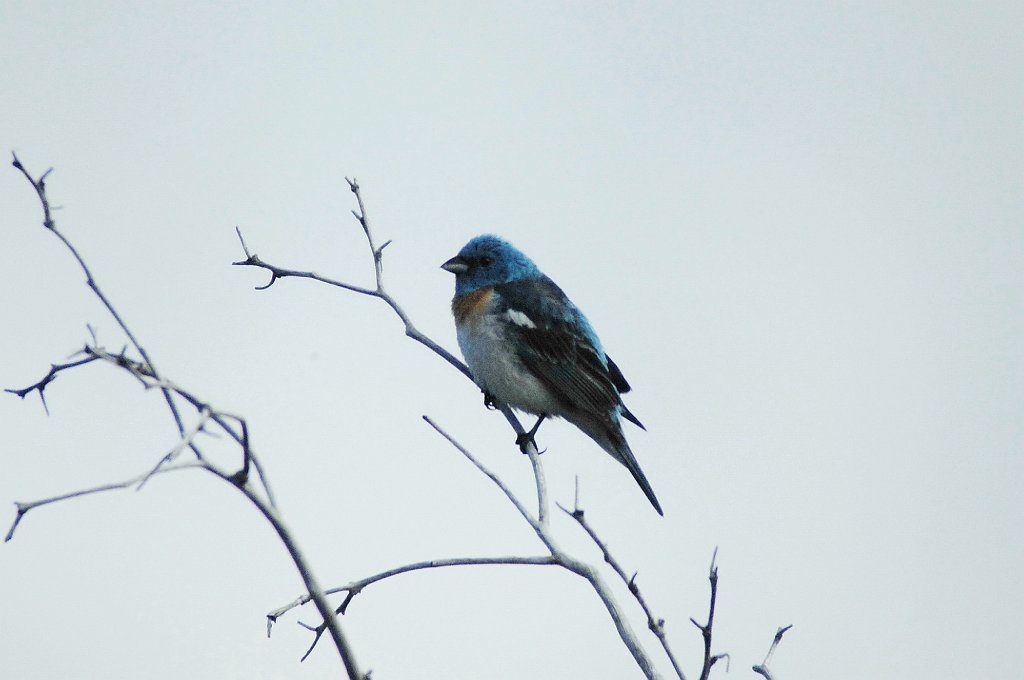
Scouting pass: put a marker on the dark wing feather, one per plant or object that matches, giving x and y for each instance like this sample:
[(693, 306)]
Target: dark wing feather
[(562, 352), (617, 378), (558, 351)]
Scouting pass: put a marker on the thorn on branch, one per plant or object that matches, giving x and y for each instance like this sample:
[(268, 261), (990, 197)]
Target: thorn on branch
[(40, 386), (273, 279), (253, 260), (50, 376), (22, 509), (656, 627), (378, 254), (349, 596), (241, 239), (319, 631)]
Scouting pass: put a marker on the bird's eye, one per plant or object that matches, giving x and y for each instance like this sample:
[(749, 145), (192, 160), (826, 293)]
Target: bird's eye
[(486, 260)]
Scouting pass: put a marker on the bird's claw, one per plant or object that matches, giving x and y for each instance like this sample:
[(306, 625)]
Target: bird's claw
[(524, 440), (489, 402)]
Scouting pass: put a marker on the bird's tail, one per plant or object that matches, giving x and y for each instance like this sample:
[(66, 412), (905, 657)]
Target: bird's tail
[(608, 434)]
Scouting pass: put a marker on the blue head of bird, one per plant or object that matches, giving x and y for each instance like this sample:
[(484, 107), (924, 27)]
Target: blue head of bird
[(488, 260)]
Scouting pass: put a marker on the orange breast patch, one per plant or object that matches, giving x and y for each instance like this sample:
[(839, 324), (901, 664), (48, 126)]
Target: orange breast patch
[(472, 306)]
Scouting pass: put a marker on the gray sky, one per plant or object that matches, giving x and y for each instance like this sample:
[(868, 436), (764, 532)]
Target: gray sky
[(797, 229)]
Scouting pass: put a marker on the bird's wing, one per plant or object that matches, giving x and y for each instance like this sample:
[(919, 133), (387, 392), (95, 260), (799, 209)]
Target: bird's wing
[(557, 345)]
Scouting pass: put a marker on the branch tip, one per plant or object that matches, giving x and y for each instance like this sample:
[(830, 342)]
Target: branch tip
[(17, 520)]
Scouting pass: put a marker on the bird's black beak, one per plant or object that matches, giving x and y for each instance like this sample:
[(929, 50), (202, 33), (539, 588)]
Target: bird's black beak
[(456, 265)]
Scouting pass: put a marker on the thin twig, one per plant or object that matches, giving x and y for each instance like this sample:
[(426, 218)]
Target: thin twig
[(141, 372), (48, 222), (253, 260), (762, 668), (375, 252), (706, 629), (146, 372), (492, 476), (23, 508), (539, 523), (186, 440), (543, 531), (355, 587), (309, 580), (41, 385), (656, 625)]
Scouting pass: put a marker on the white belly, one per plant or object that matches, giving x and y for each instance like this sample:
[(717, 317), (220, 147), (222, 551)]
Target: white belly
[(498, 370)]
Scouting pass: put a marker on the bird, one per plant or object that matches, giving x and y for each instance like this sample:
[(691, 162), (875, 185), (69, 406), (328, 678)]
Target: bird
[(528, 346)]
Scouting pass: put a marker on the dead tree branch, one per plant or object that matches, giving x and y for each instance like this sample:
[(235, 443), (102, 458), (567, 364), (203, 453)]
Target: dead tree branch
[(145, 371), (560, 556), (538, 522), (48, 222), (706, 629), (655, 625), (762, 668)]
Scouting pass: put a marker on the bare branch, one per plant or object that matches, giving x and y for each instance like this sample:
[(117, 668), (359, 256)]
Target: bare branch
[(378, 259), (253, 260), (186, 440), (355, 587), (762, 668), (55, 369), (48, 222), (276, 273), (706, 629), (146, 372), (626, 633), (537, 527), (539, 523), (562, 558), (656, 625), (310, 582), (318, 631), (142, 373), (23, 508)]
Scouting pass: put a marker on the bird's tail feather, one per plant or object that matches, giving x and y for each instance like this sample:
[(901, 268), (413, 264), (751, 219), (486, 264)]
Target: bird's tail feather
[(609, 436)]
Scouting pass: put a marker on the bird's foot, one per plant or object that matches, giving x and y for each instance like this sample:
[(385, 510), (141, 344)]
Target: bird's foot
[(525, 439), (489, 402)]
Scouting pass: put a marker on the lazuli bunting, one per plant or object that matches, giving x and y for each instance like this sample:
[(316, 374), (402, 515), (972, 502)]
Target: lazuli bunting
[(530, 347)]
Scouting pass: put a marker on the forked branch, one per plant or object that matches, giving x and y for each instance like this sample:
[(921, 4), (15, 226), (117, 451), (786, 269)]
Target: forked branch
[(145, 371)]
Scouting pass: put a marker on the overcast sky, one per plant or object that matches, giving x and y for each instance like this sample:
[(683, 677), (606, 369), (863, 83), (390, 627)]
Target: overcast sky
[(797, 228)]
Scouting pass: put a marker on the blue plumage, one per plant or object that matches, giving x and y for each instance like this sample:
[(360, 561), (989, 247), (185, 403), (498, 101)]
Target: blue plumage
[(529, 346)]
